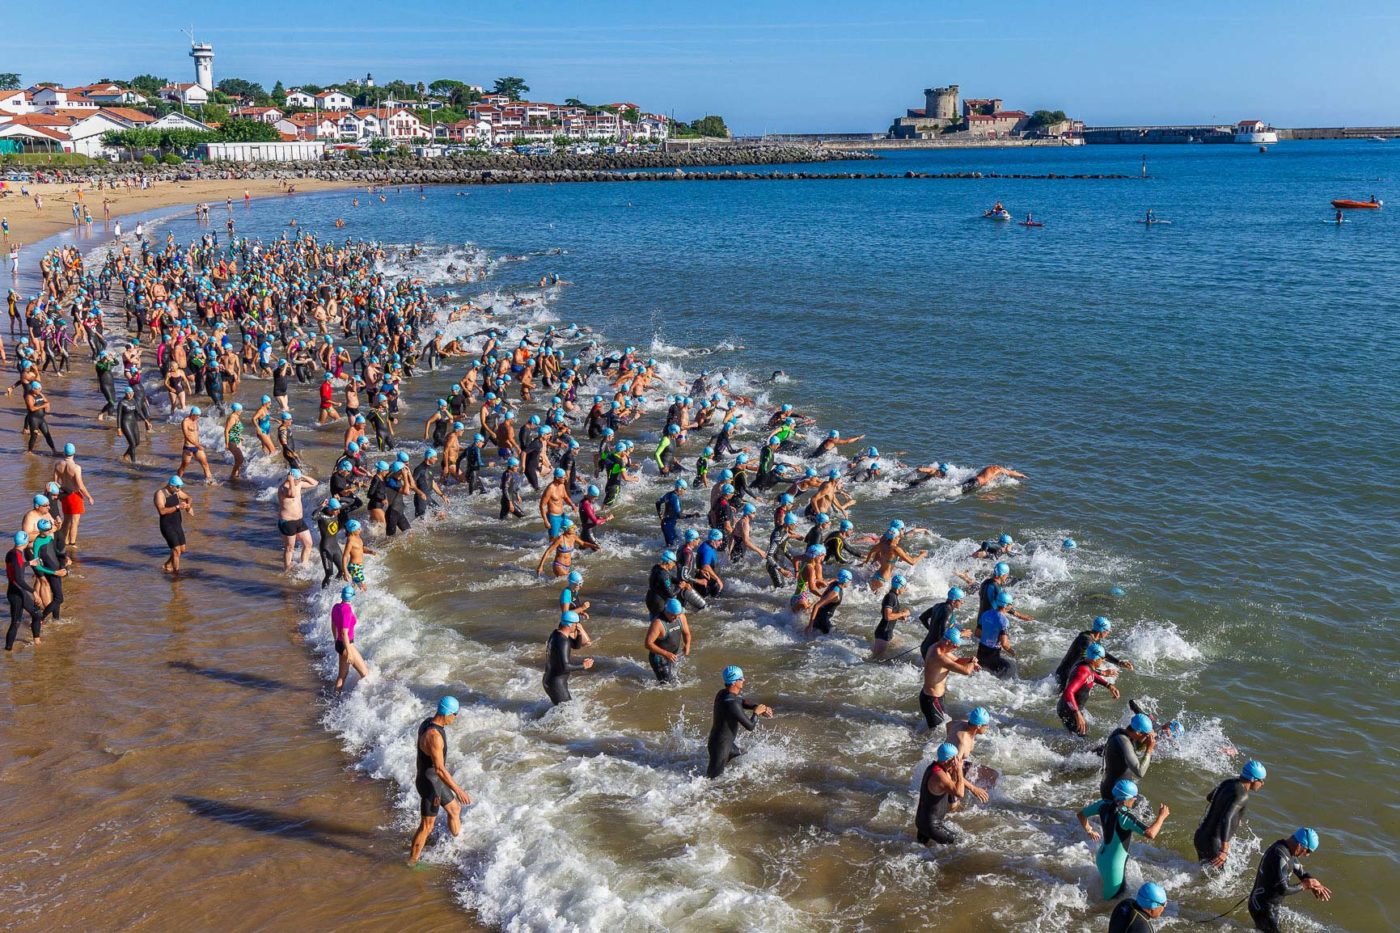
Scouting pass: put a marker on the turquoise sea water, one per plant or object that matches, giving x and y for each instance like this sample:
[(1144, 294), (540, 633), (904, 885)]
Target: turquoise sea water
[(1209, 407)]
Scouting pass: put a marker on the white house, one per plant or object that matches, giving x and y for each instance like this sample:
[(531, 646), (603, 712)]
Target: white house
[(260, 114), (404, 124), (191, 95), (353, 125), (109, 94), (308, 126), (174, 120), (86, 134), (299, 98), (49, 99), (16, 102), (334, 100), (36, 138)]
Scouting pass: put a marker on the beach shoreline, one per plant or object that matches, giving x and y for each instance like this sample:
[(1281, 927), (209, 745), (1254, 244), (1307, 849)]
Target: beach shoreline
[(163, 735), (29, 224)]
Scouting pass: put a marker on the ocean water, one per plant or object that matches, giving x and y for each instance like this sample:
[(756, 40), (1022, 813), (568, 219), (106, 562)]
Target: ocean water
[(1208, 407)]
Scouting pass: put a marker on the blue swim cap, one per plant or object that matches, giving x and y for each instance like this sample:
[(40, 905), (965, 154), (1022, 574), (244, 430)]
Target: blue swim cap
[(353, 525), (294, 473), (833, 474), (1125, 790), (174, 481), (568, 617), (955, 594), (402, 456), (716, 534), (673, 429), (69, 450), (785, 499), (1001, 569), (1095, 651), (749, 508), (593, 491), (790, 519), (1140, 723), (953, 636), (1004, 540), (332, 505), (682, 484), (1151, 896), (946, 752), (668, 557), (21, 539), (575, 578), (844, 576), (1116, 591), (846, 525), (237, 406), (43, 500), (448, 706), (1101, 624), (286, 415), (45, 524), (1253, 771), (398, 467), (194, 410), (559, 473), (1069, 544), (897, 581), (823, 518), (1307, 838), (1003, 599), (727, 489), (872, 451), (347, 593), (979, 717), (691, 535), (673, 607), (708, 452), (733, 674), (513, 461), (742, 458)]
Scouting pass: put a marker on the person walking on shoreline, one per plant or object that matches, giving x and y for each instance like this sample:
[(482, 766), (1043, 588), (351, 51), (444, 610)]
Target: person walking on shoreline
[(291, 520), (433, 781), (343, 632), (72, 494), (19, 592), (170, 503)]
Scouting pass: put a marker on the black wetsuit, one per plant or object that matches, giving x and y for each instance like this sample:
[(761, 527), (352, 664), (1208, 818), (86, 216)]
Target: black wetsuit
[(172, 527), (731, 712), (328, 524), (1128, 917), (664, 668), (1271, 885), (475, 463), (1075, 654), (821, 622), (432, 793), (558, 666), (129, 423), (933, 809), (45, 561), (20, 594), (1120, 760), (423, 479), (838, 551), (884, 631), (1222, 819), (394, 518), (937, 619), (987, 592), (662, 584)]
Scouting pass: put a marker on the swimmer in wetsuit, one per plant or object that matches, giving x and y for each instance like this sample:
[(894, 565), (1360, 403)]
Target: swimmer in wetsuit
[(1271, 884), (938, 618), (434, 783), (891, 614), (170, 504), (993, 644), (20, 592), (1127, 753), (731, 712), (824, 610), (1222, 819), (558, 664), (941, 790), (1086, 675), (1119, 825), (1135, 915), (667, 638), (1080, 645)]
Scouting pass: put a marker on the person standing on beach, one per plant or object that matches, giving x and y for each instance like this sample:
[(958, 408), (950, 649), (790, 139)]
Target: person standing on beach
[(19, 592), (291, 521), (434, 783), (72, 492), (170, 503)]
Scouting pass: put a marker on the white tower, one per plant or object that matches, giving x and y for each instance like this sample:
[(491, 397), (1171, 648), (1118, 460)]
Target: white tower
[(203, 55)]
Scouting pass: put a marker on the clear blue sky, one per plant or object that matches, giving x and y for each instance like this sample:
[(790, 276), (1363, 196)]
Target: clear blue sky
[(780, 65)]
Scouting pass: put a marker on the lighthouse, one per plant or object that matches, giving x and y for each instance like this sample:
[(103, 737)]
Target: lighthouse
[(203, 55)]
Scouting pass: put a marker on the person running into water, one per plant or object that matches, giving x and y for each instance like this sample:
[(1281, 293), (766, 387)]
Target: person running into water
[(667, 638), (1227, 805), (891, 614), (1271, 884), (172, 504), (1119, 825), (558, 665), (1127, 754), (938, 662), (1078, 649), (941, 791), (1087, 674), (193, 450), (433, 781), (1135, 915), (732, 712), (993, 642), (343, 633), (962, 734)]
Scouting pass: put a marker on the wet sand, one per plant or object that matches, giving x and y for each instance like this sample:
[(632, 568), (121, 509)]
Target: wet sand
[(162, 761), (29, 224)]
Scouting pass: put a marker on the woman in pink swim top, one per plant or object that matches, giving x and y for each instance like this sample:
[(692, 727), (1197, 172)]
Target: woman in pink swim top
[(343, 631)]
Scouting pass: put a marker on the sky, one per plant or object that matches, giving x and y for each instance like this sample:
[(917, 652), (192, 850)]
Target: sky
[(775, 65)]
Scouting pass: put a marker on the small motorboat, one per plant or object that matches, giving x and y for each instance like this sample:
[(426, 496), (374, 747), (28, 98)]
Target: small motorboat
[(1348, 205), (1002, 214)]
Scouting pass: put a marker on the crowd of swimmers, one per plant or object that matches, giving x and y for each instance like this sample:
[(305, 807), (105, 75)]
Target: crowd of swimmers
[(544, 416)]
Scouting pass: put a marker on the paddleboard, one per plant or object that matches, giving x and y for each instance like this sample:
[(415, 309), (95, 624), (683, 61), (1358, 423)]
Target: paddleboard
[(1030, 223), (1153, 223)]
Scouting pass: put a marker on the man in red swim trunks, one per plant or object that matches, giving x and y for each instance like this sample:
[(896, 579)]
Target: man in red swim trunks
[(73, 493), (328, 411)]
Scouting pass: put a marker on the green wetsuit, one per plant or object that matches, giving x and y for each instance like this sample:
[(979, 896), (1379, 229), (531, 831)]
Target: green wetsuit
[(1112, 857)]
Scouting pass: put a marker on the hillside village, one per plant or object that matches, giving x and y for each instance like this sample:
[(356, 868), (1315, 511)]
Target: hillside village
[(352, 115)]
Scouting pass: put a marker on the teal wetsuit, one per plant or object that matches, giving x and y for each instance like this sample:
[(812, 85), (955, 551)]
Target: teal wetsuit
[(1112, 858)]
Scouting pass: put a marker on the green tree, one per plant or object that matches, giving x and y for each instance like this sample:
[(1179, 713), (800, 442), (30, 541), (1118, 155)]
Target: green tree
[(512, 87), (149, 85), (213, 113), (1047, 117), (443, 87), (248, 131), (633, 115), (9, 81), (710, 126), (237, 87), (463, 96), (279, 92)]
